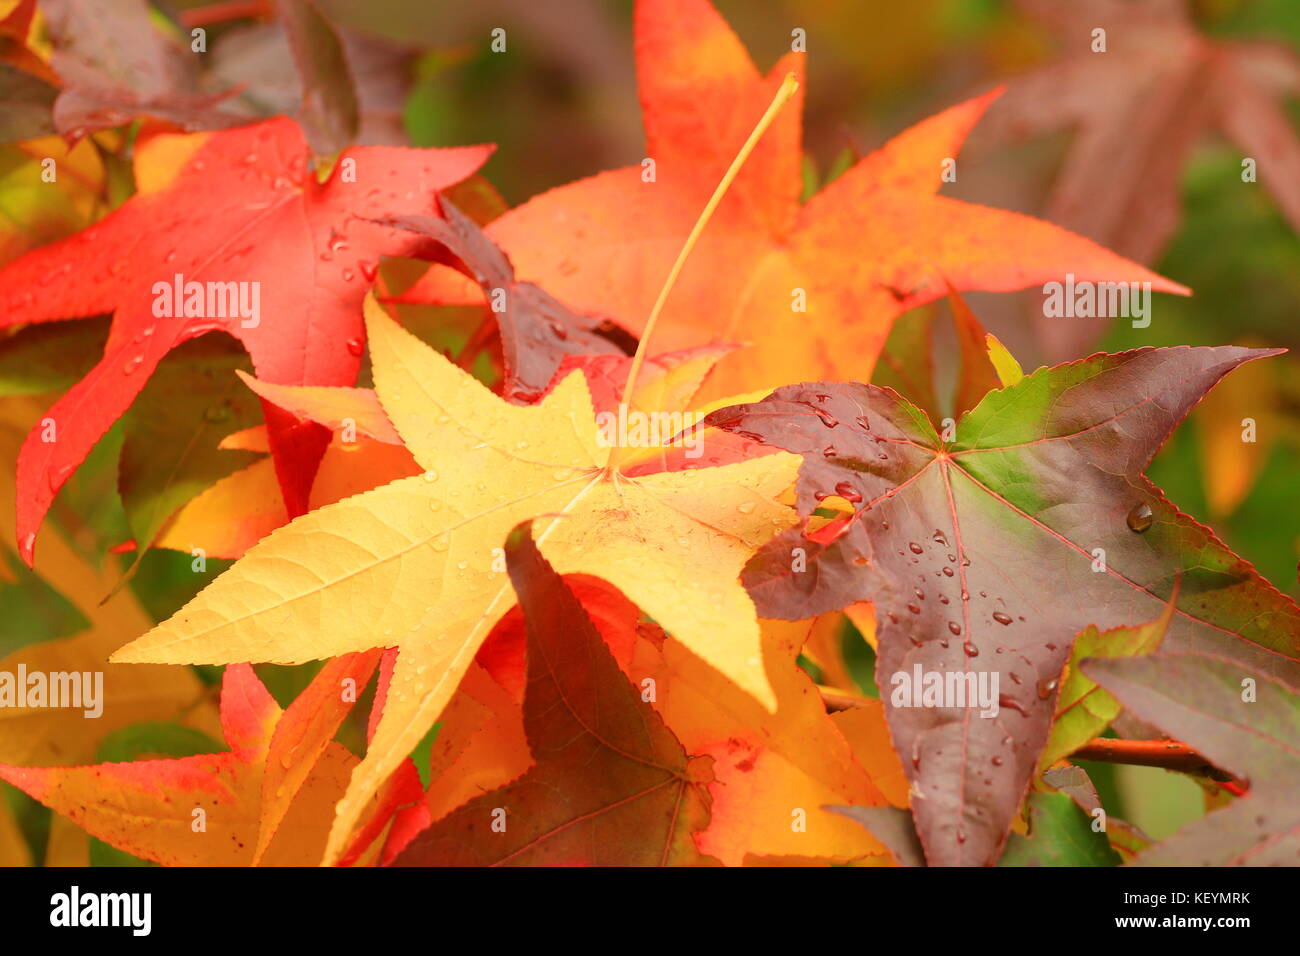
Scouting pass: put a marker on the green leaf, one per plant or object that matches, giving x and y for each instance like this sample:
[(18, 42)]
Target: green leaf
[(1060, 834), (1084, 710), (33, 611), (50, 356), (173, 428)]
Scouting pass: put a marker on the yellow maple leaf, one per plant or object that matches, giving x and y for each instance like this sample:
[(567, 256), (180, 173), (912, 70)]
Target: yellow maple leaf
[(416, 563)]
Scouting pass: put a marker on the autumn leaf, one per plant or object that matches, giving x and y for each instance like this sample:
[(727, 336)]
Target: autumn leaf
[(772, 770), (329, 110), (299, 249), (411, 563), (480, 746), (813, 287), (174, 428), (1137, 110), (987, 554), (1244, 721), (612, 785), (151, 808), (978, 375), (303, 736), (892, 826), (123, 68), (536, 330), (236, 512)]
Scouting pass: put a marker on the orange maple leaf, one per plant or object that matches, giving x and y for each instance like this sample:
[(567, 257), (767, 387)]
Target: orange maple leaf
[(875, 243)]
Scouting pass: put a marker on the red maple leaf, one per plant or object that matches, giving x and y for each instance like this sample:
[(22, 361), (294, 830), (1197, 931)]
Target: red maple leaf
[(239, 206)]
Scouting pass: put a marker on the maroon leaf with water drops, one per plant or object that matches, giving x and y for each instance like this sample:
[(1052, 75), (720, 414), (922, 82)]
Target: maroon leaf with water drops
[(1245, 723), (537, 331), (984, 555), (236, 210)]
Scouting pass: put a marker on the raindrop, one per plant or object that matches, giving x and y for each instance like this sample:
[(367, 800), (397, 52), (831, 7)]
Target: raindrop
[(916, 548), (914, 609), (1001, 618), (430, 476), (846, 491), (830, 452), (1140, 518), (947, 572), (355, 346), (954, 627), (1045, 688), (970, 649), (59, 475), (862, 422), (1012, 704), (997, 761)]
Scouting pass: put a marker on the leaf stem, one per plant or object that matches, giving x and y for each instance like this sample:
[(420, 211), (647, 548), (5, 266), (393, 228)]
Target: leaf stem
[(783, 95), (1166, 754)]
